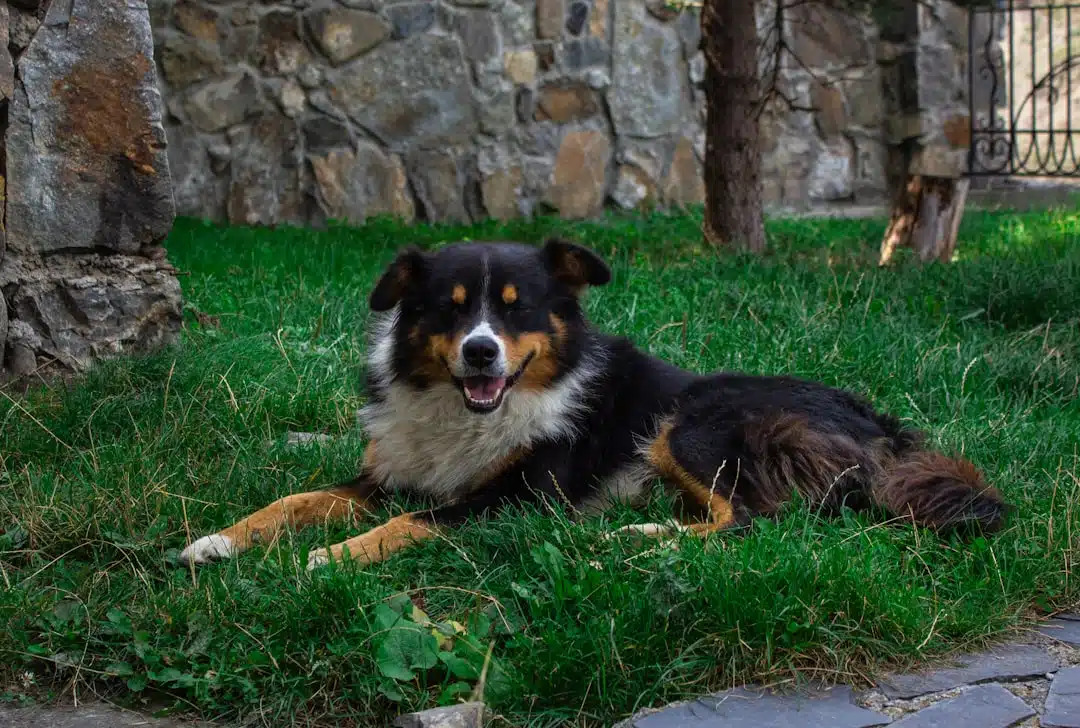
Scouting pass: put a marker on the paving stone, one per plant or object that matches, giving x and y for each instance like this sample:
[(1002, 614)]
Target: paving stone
[(1011, 662), (1063, 630), (983, 706), (1063, 703), (750, 708)]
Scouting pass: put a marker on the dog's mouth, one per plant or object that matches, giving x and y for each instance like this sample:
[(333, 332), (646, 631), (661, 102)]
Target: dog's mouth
[(485, 393)]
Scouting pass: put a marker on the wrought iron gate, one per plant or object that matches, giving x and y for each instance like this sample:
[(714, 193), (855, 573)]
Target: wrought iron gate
[(1024, 89)]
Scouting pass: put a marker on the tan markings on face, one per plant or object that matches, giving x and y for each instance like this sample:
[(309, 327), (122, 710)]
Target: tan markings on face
[(459, 295), (509, 293), (442, 351), (544, 347)]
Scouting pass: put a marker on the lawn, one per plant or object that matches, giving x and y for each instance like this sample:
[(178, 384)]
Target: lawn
[(104, 480)]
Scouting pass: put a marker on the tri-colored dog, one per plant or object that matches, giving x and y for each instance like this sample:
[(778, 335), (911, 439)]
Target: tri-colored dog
[(487, 386)]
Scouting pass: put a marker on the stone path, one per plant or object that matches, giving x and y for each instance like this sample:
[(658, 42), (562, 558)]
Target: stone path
[(1032, 684)]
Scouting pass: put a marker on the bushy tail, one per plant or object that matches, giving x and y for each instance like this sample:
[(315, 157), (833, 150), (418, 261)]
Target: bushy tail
[(943, 493)]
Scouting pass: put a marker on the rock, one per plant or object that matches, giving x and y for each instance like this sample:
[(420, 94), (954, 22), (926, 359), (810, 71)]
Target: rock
[(291, 98), (518, 24), (197, 189), (647, 98), (280, 50), (520, 66), (576, 16), (828, 37), (414, 91), (439, 178), (580, 174), (1063, 630), (525, 103), (865, 102), (299, 439), (983, 706), (688, 25), (684, 185), (1062, 709), (239, 45), (633, 189), (355, 185), (500, 193), (465, 715), (1009, 662), (817, 708), (322, 134), (549, 18), (409, 19), (186, 60), (310, 76), (598, 19), (89, 306), (566, 101), (87, 715), (497, 112), (197, 21), (86, 150), (830, 114), (697, 68), (221, 104), (545, 55), (651, 156), (832, 175), (7, 65), (21, 29), (597, 79), (265, 186), (580, 54), (479, 33), (343, 34)]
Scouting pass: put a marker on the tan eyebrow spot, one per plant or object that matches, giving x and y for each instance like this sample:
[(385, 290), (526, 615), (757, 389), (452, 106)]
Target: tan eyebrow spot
[(509, 293), (459, 294)]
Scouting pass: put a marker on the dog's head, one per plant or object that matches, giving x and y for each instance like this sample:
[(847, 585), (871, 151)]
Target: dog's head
[(488, 318)]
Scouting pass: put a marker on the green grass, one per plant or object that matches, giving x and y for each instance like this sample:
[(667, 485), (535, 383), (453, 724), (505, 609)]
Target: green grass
[(101, 483)]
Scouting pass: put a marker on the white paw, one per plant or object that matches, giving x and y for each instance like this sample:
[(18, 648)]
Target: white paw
[(317, 558), (651, 530), (209, 548)]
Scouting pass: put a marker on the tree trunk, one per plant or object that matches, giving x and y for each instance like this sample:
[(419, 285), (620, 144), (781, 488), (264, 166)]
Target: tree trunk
[(733, 207), (926, 216)]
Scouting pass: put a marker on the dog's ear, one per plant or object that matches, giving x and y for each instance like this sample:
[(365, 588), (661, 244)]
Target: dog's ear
[(575, 265), (407, 270)]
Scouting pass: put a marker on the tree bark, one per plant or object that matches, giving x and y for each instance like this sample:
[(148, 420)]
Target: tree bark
[(926, 216), (733, 207)]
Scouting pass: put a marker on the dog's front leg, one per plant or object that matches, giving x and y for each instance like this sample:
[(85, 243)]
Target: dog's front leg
[(402, 532)]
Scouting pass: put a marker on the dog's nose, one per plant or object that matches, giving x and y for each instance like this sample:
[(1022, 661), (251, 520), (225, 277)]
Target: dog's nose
[(480, 351)]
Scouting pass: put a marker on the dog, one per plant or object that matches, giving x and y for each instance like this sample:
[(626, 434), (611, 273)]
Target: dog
[(488, 386)]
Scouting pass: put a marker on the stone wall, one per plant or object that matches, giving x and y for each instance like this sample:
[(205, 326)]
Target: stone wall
[(302, 110), (87, 197)]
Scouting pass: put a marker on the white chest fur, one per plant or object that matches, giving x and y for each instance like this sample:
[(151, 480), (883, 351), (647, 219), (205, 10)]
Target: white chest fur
[(427, 439)]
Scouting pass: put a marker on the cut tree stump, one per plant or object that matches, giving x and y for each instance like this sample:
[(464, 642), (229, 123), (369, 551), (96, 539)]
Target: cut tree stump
[(926, 217)]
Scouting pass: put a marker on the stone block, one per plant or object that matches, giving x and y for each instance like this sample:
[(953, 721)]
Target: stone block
[(354, 184), (649, 87), (87, 166), (416, 91), (580, 174), (343, 34), (1008, 662), (1062, 709), (982, 706)]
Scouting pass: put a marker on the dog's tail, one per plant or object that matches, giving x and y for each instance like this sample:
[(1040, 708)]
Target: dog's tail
[(943, 493)]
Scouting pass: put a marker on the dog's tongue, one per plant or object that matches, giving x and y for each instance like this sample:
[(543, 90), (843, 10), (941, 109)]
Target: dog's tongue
[(484, 388)]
